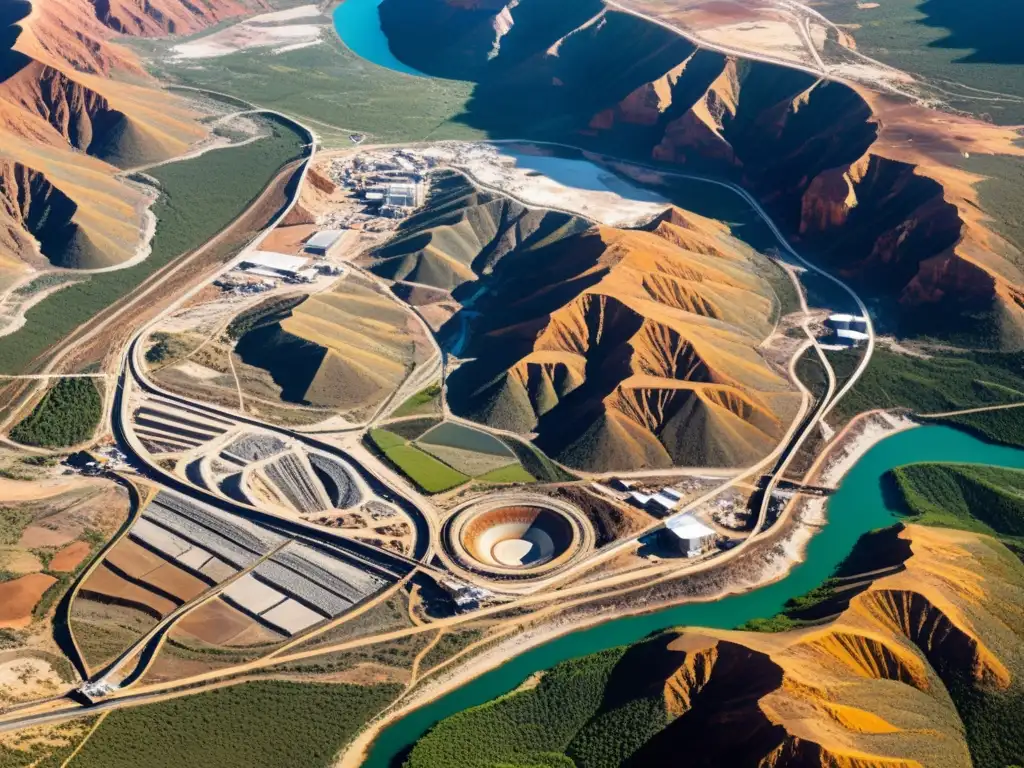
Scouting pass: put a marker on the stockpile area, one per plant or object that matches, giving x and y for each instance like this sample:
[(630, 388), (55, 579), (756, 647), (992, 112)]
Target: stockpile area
[(338, 480), (290, 475), (299, 587), (167, 429), (254, 447)]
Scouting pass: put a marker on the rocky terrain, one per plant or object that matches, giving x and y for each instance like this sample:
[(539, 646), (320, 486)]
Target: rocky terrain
[(867, 181), (76, 107), (907, 672)]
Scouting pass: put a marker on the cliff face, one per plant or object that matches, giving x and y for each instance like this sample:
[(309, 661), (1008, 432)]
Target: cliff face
[(860, 180), (67, 126)]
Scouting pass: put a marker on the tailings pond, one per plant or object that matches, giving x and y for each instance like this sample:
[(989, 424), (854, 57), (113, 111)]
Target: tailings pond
[(857, 507), (358, 25)]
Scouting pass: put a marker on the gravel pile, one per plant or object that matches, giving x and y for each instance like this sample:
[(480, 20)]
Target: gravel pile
[(338, 481), (255, 447), (289, 474), (301, 588)]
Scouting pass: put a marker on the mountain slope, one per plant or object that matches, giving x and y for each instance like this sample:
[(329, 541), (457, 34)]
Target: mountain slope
[(891, 681), (618, 348), (69, 119), (869, 182)]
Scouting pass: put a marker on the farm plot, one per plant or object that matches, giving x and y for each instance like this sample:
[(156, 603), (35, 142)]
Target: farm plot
[(106, 586), (423, 469), (338, 480), (220, 624), (290, 475), (19, 596)]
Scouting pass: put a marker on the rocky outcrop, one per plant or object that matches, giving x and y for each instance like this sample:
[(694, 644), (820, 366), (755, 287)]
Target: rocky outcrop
[(840, 168), (155, 18)]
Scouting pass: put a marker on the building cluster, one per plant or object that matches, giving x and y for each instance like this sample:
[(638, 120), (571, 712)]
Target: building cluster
[(465, 596), (269, 267), (391, 183)]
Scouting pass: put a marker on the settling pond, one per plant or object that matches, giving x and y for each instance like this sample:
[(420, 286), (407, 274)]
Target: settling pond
[(857, 507)]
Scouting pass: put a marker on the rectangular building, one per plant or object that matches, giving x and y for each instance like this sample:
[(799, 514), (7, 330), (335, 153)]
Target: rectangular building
[(690, 536)]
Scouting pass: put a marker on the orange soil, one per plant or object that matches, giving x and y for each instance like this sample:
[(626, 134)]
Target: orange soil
[(37, 536), (178, 582), (133, 559), (19, 597), (214, 623), (69, 558), (103, 581)]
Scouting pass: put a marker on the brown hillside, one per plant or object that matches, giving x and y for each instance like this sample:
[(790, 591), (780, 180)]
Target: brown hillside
[(66, 126), (866, 689), (626, 349), (866, 181)]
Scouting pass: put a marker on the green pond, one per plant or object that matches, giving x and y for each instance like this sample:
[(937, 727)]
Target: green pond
[(857, 506)]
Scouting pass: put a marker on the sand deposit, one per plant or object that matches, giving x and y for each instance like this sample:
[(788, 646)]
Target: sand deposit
[(258, 32)]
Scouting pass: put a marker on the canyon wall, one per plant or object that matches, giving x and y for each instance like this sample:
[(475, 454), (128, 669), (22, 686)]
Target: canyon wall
[(838, 168)]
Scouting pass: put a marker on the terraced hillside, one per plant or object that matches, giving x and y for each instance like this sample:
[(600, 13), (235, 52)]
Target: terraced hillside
[(463, 232), (874, 184), (922, 667), (625, 348), (347, 348)]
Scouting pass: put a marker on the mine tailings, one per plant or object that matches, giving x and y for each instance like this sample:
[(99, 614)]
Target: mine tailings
[(858, 506)]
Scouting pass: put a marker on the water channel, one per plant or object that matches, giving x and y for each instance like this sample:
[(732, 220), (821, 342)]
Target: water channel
[(857, 507)]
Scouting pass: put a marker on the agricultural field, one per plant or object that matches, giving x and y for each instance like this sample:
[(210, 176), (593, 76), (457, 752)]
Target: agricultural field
[(426, 402), (198, 198), (262, 724), (67, 415), (449, 454), (44, 746)]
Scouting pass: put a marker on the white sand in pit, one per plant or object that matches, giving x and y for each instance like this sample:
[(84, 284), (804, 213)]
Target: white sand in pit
[(245, 36)]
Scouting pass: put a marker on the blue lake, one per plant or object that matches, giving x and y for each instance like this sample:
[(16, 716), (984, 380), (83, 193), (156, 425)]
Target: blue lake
[(358, 25)]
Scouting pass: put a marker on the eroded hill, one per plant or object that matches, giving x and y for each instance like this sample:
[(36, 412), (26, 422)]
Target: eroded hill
[(921, 667), (75, 107), (868, 182), (618, 349)]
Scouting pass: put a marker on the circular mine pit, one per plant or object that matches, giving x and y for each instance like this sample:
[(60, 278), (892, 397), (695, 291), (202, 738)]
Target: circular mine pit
[(517, 540)]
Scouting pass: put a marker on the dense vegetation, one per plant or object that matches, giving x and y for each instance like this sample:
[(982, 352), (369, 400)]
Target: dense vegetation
[(67, 415), (199, 197), (1004, 426), (932, 385), (583, 713), (271, 310), (969, 496), (265, 724)]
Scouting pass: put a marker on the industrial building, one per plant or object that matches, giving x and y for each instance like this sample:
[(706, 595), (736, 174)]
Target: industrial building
[(850, 338), (844, 322), (323, 242), (658, 504), (690, 536), (279, 265)]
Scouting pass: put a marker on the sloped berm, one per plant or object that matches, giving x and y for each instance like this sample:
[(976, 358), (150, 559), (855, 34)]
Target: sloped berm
[(517, 536)]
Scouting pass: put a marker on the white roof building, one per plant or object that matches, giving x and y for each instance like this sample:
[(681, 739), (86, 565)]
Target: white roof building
[(264, 262), (689, 534)]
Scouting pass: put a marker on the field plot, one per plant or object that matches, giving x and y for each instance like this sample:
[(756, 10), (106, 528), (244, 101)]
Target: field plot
[(217, 623), (445, 456), (19, 596), (69, 558)]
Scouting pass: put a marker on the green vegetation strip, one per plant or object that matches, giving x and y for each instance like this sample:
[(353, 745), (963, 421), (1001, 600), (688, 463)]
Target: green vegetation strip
[(424, 401), (67, 415), (264, 724), (199, 197), (972, 497), (1005, 426)]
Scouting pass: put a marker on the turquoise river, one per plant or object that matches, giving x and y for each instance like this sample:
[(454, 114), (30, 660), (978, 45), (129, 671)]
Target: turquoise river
[(857, 507)]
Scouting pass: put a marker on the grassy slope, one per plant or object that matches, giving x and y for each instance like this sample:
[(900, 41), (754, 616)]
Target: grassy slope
[(67, 415), (1003, 426), (934, 385), (971, 497), (329, 85), (269, 724), (199, 198)]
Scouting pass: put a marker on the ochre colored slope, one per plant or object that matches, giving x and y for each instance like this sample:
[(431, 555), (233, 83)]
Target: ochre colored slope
[(626, 348), (69, 118)]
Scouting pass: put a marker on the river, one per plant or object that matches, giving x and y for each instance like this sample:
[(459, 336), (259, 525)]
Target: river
[(358, 25), (857, 506)]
